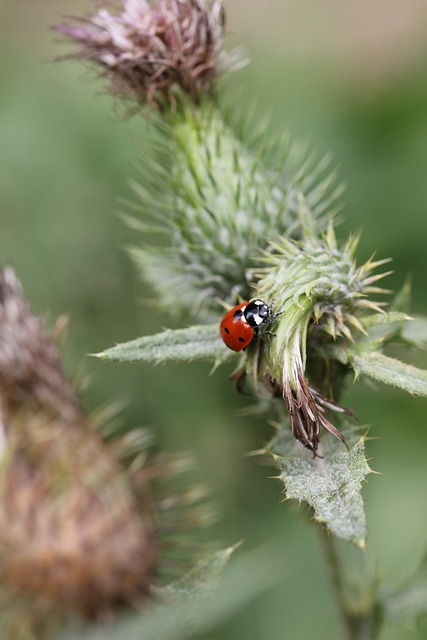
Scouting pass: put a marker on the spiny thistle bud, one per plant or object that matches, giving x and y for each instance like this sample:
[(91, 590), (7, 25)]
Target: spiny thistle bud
[(218, 199), (321, 296), (151, 49), (79, 533)]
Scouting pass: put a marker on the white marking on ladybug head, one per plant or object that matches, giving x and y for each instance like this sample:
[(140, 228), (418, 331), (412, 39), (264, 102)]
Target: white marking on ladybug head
[(258, 320)]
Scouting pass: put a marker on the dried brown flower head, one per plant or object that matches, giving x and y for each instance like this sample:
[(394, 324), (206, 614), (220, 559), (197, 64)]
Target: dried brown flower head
[(72, 532), (86, 525), (149, 49)]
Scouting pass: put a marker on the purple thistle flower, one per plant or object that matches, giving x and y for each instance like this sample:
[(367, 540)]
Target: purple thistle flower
[(148, 49)]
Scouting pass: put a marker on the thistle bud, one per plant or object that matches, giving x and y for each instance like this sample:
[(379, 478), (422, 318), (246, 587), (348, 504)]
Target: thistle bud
[(323, 298), (219, 199)]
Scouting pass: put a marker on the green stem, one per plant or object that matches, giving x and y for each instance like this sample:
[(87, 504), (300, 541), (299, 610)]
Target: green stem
[(336, 573), (361, 619)]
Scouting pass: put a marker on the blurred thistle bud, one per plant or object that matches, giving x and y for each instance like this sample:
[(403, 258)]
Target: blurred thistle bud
[(214, 195), (151, 49), (80, 531), (71, 530)]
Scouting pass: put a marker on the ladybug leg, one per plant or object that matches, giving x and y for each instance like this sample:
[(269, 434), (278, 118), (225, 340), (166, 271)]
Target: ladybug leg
[(259, 331), (275, 316), (262, 334)]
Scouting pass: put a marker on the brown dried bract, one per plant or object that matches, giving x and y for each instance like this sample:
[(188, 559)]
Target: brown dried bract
[(148, 49), (306, 408)]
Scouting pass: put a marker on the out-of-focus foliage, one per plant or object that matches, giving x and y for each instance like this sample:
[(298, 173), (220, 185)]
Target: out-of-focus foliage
[(194, 604)]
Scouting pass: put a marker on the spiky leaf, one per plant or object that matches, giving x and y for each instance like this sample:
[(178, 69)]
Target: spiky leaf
[(331, 485), (181, 345), (380, 367)]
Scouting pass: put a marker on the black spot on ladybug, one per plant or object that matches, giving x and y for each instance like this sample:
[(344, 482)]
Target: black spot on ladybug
[(241, 339), (227, 330)]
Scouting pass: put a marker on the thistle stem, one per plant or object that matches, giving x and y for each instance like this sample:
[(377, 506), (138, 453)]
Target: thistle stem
[(361, 620)]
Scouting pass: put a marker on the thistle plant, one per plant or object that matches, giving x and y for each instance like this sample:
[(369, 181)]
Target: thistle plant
[(227, 218)]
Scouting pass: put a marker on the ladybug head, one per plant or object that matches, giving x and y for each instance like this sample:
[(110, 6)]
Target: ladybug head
[(258, 312), (264, 310)]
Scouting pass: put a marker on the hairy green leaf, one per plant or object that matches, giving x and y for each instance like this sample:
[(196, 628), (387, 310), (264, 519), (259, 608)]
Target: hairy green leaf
[(200, 342), (331, 485), (201, 578), (380, 367)]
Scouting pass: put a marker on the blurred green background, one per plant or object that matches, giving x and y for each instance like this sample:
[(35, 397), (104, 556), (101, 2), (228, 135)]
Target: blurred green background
[(352, 78)]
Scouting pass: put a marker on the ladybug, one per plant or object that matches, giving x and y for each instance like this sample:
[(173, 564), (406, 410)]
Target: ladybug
[(241, 323)]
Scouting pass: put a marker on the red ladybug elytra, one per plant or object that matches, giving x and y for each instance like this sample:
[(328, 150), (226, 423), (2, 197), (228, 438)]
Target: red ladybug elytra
[(241, 323)]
